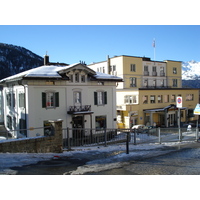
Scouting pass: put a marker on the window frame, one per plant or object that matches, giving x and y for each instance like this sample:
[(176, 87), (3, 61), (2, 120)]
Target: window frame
[(45, 103), (100, 98)]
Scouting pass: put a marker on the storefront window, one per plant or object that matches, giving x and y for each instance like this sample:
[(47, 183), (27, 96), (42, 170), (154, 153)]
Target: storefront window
[(100, 122)]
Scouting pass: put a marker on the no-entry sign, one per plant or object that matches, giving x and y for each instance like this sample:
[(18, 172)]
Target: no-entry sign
[(179, 102)]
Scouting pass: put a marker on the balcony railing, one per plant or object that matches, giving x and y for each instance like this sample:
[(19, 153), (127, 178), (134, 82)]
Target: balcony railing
[(146, 73), (84, 108)]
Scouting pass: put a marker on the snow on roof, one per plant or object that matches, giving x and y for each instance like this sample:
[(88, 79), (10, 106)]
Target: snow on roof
[(52, 71), (100, 75)]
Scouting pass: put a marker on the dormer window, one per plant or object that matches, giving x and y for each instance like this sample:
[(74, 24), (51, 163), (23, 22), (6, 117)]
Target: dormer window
[(83, 78), (77, 77)]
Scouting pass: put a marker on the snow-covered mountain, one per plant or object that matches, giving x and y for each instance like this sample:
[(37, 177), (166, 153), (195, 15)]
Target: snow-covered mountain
[(191, 70), (15, 59)]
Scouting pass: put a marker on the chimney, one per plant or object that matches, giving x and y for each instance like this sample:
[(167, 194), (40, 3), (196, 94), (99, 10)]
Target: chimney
[(108, 65), (46, 59)]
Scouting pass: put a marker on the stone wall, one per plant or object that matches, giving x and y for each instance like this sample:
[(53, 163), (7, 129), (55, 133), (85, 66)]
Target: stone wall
[(43, 144)]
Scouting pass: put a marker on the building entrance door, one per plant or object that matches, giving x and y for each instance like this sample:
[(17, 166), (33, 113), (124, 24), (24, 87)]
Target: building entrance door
[(77, 125), (172, 119)]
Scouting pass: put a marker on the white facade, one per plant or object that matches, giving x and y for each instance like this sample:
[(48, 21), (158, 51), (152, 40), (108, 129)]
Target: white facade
[(76, 94)]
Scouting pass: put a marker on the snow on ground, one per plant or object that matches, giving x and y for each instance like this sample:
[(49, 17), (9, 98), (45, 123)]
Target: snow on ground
[(115, 156)]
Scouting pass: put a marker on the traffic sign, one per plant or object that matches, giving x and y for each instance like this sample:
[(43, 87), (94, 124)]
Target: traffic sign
[(197, 110), (179, 102)]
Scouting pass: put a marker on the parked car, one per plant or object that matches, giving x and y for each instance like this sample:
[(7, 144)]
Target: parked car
[(143, 129)]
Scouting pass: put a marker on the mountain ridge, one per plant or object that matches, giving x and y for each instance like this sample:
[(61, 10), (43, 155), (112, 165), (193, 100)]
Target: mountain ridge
[(15, 59)]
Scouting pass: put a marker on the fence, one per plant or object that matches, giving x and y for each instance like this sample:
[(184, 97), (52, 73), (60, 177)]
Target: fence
[(92, 137)]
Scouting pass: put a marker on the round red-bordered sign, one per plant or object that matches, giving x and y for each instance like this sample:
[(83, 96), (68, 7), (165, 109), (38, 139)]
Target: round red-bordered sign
[(179, 100)]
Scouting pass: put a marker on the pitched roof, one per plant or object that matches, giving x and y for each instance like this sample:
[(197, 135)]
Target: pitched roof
[(56, 72)]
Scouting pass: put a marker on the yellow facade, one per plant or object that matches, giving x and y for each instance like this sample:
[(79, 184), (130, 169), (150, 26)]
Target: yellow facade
[(142, 97)]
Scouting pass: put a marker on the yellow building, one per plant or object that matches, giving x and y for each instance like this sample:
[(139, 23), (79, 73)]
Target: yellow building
[(149, 91)]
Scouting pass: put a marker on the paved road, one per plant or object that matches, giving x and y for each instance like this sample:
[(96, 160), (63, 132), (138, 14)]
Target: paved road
[(185, 161), (182, 160)]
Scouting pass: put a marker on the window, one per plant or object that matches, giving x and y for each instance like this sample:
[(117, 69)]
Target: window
[(132, 82), (154, 73), (9, 122), (189, 97), (100, 122), (146, 83), (77, 77), (50, 99), (83, 78), (21, 100), (190, 113), (100, 98), (160, 98), (145, 99), (166, 98), (130, 99), (173, 98), (154, 83), (22, 126), (132, 68), (77, 97), (153, 99), (71, 77), (8, 98), (162, 83), (146, 70), (175, 82), (174, 70), (162, 72)]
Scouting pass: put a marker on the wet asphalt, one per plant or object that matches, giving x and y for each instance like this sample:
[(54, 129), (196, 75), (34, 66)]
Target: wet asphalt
[(173, 159)]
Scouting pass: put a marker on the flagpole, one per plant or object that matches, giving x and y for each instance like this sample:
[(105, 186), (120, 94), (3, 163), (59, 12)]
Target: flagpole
[(154, 47)]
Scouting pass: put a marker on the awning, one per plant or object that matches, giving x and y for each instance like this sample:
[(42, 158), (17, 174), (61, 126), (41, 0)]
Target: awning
[(171, 106)]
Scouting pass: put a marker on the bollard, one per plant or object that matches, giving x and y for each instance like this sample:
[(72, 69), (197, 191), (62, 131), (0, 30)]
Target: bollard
[(127, 142), (105, 137), (68, 139), (134, 136), (159, 138)]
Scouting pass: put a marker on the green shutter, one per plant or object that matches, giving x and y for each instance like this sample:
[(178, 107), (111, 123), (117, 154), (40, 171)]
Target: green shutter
[(105, 97), (95, 98), (43, 100), (57, 99)]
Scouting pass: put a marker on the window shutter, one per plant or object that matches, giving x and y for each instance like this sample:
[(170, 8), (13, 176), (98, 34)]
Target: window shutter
[(57, 99), (105, 97), (95, 98), (43, 100)]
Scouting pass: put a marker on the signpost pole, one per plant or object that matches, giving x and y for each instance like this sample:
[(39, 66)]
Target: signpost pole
[(179, 105), (197, 112)]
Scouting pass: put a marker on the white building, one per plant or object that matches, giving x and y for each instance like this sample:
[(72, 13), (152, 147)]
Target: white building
[(78, 95)]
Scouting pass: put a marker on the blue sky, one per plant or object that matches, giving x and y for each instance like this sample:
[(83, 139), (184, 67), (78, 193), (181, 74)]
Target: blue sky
[(92, 43)]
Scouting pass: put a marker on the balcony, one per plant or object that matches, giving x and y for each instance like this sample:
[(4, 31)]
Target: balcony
[(162, 73), (86, 109), (154, 73), (146, 73)]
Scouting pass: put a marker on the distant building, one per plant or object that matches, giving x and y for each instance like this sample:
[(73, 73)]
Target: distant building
[(77, 94), (149, 91)]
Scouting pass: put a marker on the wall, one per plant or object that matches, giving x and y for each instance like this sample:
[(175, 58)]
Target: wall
[(38, 144)]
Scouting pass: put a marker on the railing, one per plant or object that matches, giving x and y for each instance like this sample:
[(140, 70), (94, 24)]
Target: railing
[(73, 109), (93, 137), (146, 73)]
